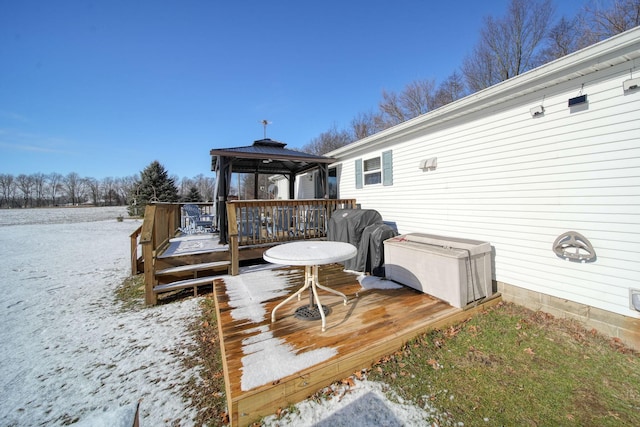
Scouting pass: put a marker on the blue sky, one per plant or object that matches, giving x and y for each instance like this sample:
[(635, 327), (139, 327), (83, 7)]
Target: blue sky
[(103, 88)]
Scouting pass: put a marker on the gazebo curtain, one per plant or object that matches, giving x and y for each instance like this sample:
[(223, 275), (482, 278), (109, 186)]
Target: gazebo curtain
[(223, 176)]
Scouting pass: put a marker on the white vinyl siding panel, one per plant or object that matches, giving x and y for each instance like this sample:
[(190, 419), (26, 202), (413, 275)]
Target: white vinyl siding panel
[(519, 182), (305, 187)]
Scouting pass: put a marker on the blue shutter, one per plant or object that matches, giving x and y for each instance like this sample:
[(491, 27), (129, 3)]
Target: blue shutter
[(359, 173), (387, 168)]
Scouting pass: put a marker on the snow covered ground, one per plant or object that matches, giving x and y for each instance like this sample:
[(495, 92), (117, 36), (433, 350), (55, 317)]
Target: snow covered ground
[(69, 353)]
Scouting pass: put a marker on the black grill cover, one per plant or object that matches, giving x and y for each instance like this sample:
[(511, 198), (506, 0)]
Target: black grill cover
[(370, 256), (347, 225)]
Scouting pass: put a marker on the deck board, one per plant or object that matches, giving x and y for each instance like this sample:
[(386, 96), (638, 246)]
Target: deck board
[(193, 244), (375, 322)]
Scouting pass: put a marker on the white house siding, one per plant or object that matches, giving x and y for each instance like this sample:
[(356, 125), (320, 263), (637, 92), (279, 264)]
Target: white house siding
[(305, 186), (519, 182)]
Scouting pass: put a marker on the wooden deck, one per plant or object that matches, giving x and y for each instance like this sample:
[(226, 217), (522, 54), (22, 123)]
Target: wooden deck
[(272, 365), (253, 225)]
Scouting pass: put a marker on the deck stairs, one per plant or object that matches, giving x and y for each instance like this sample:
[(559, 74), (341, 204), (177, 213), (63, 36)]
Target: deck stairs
[(178, 268), (190, 269)]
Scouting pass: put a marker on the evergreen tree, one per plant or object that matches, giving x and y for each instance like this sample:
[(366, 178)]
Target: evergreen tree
[(155, 186), (193, 195)]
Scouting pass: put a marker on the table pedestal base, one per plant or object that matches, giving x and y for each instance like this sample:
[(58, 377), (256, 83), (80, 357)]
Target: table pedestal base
[(311, 282), (311, 312)]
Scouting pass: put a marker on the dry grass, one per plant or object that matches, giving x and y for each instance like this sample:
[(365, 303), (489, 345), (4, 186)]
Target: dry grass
[(207, 395), (130, 294), (513, 366)]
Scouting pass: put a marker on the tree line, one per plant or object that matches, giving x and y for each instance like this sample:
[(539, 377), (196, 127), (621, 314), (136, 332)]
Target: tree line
[(521, 40), (54, 189)]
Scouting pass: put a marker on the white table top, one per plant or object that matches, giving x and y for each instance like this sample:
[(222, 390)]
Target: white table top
[(314, 252)]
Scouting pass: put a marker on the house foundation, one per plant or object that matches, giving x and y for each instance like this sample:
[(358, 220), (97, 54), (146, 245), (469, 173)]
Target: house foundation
[(615, 325)]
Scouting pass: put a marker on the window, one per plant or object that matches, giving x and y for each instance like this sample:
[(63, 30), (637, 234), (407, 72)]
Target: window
[(376, 170), (372, 171)]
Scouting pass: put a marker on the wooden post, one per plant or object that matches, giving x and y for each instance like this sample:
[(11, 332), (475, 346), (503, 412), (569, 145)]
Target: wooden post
[(147, 241), (234, 253), (150, 297), (134, 250)]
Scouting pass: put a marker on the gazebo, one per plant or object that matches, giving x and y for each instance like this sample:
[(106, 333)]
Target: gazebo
[(265, 156)]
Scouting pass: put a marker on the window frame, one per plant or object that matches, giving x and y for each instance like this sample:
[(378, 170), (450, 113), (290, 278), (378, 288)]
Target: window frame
[(375, 171), (384, 170)]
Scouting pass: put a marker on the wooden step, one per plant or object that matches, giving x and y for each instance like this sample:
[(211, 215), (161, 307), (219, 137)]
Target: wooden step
[(194, 268), (182, 284)]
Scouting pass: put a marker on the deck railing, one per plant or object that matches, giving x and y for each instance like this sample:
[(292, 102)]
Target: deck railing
[(251, 223), (161, 223), (269, 222), (137, 262)]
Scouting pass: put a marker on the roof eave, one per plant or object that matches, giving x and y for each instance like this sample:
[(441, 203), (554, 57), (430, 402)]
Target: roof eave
[(283, 157)]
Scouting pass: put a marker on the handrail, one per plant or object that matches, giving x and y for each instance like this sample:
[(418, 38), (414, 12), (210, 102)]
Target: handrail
[(161, 223), (206, 211), (264, 222), (133, 237)]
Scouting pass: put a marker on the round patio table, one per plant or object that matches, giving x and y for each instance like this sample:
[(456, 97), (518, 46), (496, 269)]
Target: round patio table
[(310, 254)]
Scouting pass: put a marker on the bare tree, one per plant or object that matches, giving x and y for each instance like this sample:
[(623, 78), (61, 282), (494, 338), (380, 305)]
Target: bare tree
[(205, 186), (328, 141), (391, 112), (55, 184), (480, 69), (510, 45), (93, 186), (184, 185), (564, 38), (452, 89), (7, 186), (108, 189), (415, 99), (602, 23), (127, 186), (73, 185), (364, 124), (25, 185), (39, 182)]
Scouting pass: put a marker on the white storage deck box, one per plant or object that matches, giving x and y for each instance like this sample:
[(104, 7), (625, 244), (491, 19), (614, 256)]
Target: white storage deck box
[(452, 269)]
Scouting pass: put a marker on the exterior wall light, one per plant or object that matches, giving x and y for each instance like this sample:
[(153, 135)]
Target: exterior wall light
[(429, 164), (631, 84), (536, 111)]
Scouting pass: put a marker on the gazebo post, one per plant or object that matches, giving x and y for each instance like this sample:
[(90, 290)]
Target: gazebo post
[(223, 170), (255, 186), (292, 185)]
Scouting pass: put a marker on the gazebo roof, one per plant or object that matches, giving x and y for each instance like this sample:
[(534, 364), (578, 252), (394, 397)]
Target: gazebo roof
[(268, 157)]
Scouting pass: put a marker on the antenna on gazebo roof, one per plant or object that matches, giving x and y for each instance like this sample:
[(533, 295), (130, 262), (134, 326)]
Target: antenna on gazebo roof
[(265, 123)]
